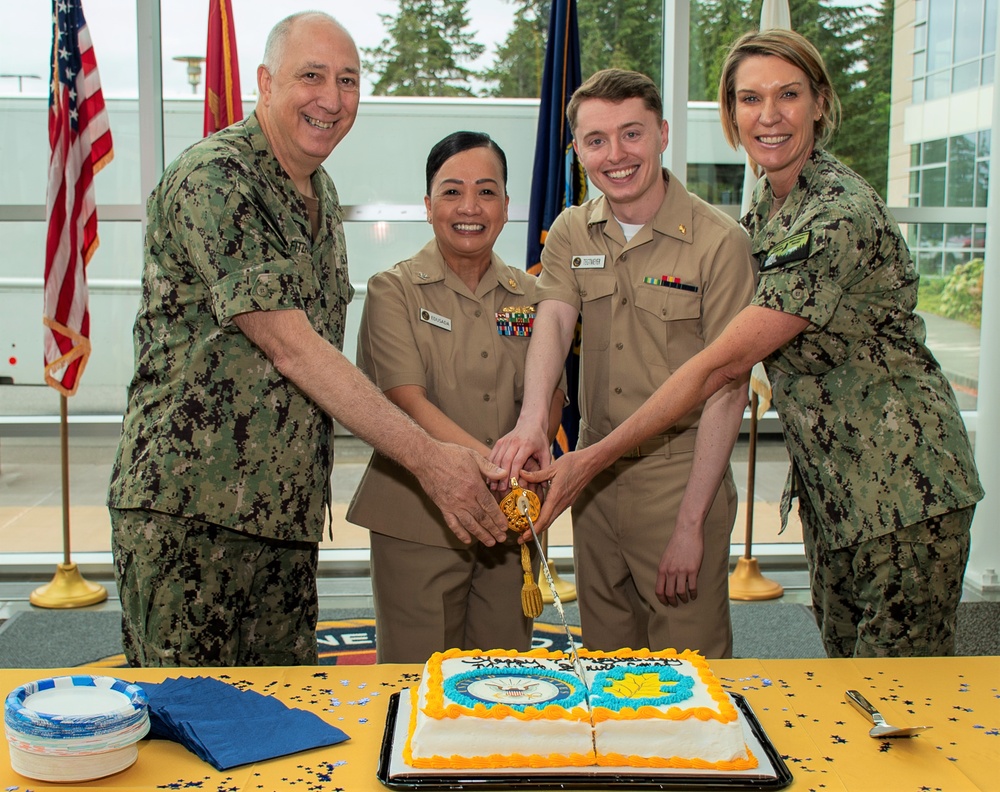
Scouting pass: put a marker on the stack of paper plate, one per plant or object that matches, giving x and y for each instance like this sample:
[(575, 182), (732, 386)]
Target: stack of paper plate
[(74, 728)]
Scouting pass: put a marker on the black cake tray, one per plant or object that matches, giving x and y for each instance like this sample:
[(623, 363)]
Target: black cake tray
[(395, 774)]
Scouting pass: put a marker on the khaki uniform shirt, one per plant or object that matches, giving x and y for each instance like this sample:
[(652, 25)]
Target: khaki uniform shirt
[(212, 431), (870, 421), (647, 305), (422, 326)]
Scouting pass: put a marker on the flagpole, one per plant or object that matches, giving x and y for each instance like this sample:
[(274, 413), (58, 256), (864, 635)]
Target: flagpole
[(80, 145), (557, 181), (747, 582), (68, 588)]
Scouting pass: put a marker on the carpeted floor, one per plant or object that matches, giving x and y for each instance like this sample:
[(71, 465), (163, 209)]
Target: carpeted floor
[(55, 639)]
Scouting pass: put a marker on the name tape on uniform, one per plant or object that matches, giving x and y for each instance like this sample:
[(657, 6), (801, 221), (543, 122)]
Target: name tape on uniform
[(435, 319), (587, 262)]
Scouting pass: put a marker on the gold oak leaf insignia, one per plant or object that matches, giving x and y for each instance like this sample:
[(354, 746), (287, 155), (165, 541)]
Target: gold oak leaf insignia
[(637, 686)]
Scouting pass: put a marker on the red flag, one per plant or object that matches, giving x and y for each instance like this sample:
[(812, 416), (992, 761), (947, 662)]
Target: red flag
[(80, 143), (223, 102)]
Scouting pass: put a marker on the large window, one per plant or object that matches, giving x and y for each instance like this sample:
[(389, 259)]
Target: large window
[(379, 166), (954, 47), (948, 172)]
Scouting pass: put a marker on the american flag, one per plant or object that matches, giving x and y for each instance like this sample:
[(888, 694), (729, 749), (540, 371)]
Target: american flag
[(80, 142)]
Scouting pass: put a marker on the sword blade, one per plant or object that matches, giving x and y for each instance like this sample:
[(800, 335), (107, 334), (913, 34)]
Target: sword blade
[(577, 662)]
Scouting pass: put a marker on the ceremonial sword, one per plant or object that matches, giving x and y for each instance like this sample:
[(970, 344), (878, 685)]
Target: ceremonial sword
[(524, 506)]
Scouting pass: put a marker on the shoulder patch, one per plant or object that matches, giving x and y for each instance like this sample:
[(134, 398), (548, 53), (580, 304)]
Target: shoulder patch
[(793, 248)]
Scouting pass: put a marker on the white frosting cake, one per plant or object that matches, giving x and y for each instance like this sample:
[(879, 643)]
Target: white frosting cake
[(498, 709), (662, 709), (494, 709)]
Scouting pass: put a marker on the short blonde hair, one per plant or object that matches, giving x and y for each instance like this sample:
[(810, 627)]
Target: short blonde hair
[(792, 48)]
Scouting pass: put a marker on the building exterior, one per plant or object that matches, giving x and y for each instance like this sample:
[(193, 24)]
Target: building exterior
[(944, 55)]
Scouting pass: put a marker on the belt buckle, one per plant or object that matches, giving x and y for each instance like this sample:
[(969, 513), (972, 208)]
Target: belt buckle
[(632, 453)]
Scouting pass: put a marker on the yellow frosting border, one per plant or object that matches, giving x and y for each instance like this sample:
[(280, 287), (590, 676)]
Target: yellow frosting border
[(620, 760), (435, 709)]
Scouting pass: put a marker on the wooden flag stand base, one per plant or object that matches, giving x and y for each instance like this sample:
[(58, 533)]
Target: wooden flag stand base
[(67, 589), (747, 582)]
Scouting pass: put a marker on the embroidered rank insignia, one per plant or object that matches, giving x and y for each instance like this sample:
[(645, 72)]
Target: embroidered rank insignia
[(793, 248), (516, 320)]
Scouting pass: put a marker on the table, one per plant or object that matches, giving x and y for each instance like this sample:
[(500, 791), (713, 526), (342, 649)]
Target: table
[(800, 704)]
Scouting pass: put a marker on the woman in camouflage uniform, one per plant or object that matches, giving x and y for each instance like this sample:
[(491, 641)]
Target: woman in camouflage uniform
[(881, 462)]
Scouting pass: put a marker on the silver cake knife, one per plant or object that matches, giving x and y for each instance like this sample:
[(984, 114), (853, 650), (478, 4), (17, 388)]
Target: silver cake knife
[(524, 506)]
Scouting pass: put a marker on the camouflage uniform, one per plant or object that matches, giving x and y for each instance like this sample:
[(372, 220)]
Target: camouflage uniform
[(877, 442), (213, 433), (217, 597)]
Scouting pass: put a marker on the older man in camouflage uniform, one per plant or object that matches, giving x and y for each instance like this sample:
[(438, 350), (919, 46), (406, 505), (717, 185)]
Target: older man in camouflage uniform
[(221, 483)]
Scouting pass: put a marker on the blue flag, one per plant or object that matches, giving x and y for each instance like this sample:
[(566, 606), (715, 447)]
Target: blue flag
[(558, 179)]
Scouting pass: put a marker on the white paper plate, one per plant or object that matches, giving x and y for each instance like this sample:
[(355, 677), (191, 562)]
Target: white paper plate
[(74, 728), (74, 706), (62, 746), (76, 768)]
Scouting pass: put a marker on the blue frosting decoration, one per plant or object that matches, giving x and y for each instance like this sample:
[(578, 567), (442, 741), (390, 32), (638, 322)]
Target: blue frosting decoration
[(514, 688), (675, 688)]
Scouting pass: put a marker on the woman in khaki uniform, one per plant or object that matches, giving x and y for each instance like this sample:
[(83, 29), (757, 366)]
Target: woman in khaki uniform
[(444, 335)]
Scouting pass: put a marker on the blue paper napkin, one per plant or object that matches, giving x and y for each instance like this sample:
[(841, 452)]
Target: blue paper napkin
[(228, 727)]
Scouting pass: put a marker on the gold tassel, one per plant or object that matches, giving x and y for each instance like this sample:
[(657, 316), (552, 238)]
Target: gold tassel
[(531, 595)]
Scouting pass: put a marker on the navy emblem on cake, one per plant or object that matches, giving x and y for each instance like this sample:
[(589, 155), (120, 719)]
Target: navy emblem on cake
[(518, 688)]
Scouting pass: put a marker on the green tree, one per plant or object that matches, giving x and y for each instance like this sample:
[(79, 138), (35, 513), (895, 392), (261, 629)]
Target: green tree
[(623, 35), (863, 140), (855, 41), (423, 54), (613, 33), (520, 60), (715, 24)]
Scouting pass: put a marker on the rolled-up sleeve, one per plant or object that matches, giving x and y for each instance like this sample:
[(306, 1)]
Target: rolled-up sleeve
[(237, 246), (274, 286), (805, 293)]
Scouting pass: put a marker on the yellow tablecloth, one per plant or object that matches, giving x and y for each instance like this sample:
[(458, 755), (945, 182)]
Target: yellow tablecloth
[(800, 704)]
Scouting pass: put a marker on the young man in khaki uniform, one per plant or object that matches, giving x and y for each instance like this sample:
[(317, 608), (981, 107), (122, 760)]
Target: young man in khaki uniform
[(656, 274)]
